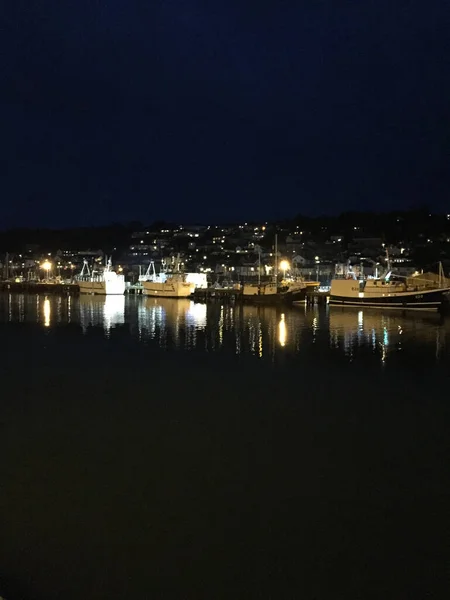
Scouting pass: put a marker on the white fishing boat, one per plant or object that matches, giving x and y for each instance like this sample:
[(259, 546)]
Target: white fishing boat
[(105, 281), (166, 285)]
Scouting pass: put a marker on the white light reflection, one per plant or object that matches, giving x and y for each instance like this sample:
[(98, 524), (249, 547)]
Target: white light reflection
[(221, 327), (360, 320), (282, 331), (47, 312), (315, 327), (101, 311), (384, 345), (113, 312), (196, 315)]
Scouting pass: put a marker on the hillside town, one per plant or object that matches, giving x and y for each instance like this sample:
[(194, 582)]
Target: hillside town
[(311, 248)]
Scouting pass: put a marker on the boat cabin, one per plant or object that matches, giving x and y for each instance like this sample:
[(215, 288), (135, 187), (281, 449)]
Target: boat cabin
[(353, 288)]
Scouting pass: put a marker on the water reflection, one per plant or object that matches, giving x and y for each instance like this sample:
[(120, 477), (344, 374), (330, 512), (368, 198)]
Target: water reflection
[(385, 334), (282, 331), (262, 331), (101, 311), (47, 312), (31, 308)]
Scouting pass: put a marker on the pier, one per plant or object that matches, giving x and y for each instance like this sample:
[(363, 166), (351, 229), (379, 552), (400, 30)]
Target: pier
[(202, 295), (316, 298), (229, 295), (57, 288), (225, 295), (40, 287)]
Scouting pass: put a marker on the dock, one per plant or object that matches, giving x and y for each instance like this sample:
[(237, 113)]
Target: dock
[(229, 295), (225, 295), (57, 288), (316, 298), (201, 295), (39, 287)]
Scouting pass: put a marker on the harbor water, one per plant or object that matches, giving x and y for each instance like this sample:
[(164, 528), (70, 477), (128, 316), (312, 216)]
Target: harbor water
[(167, 449)]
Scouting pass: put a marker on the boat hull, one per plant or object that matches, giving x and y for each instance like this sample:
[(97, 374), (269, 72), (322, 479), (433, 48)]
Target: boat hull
[(102, 287), (298, 295), (176, 289), (427, 300)]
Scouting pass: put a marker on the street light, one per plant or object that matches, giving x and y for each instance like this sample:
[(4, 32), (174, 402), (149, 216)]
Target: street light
[(47, 266), (284, 266), (317, 259)]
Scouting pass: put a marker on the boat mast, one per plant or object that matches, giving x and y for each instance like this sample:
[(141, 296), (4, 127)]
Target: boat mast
[(388, 260), (275, 270), (259, 266), (441, 275)]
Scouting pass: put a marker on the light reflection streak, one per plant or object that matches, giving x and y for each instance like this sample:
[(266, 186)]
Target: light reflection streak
[(221, 327), (282, 331), (113, 312), (47, 312)]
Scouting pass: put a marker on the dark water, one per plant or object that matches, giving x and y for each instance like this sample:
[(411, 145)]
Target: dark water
[(165, 449)]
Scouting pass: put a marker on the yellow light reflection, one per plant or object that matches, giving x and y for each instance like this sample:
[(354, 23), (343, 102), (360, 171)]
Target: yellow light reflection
[(47, 311), (282, 331)]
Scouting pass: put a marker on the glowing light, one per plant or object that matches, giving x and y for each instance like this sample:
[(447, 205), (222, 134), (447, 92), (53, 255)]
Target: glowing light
[(47, 312), (282, 331), (284, 266), (46, 265)]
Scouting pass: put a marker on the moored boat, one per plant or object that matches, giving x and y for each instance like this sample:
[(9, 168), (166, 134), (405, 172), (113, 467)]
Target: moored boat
[(272, 293), (102, 282), (382, 292), (166, 285)]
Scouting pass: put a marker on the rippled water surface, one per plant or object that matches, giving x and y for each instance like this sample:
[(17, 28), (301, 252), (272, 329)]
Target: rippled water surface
[(162, 448)]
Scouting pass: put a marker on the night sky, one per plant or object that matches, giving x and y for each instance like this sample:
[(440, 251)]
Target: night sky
[(221, 110)]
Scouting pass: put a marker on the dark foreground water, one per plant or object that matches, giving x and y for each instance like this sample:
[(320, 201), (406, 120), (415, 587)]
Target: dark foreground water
[(165, 449)]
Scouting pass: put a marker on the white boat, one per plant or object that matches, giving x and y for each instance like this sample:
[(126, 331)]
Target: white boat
[(166, 285), (102, 282)]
